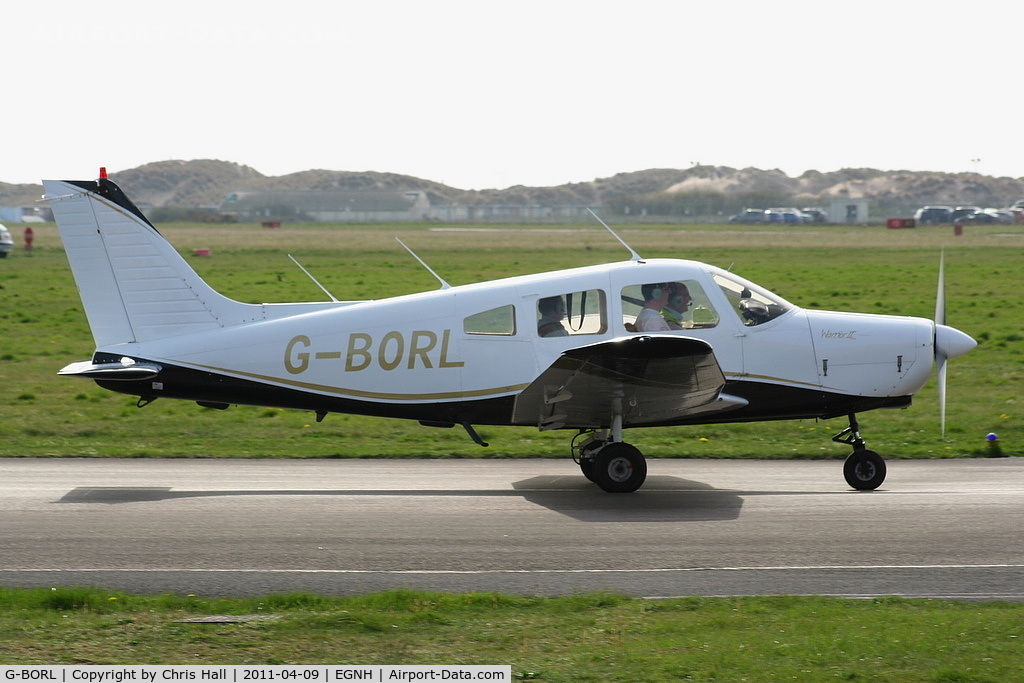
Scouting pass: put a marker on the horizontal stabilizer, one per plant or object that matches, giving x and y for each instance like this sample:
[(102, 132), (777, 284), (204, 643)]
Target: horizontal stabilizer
[(127, 370)]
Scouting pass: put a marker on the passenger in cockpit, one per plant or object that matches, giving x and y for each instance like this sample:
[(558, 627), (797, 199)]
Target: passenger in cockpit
[(552, 311)]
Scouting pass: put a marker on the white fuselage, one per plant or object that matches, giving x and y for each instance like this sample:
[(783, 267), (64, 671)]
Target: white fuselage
[(423, 347)]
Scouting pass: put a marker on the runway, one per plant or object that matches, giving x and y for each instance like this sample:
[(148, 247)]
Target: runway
[(941, 528)]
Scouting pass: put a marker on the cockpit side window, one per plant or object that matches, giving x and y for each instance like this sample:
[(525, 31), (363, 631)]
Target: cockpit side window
[(572, 313), (754, 305), (685, 306)]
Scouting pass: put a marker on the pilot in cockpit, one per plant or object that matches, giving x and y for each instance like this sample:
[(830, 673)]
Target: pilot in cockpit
[(676, 311)]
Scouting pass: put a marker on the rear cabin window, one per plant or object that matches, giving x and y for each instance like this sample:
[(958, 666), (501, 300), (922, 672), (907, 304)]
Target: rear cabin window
[(684, 306), (499, 321), (572, 313)]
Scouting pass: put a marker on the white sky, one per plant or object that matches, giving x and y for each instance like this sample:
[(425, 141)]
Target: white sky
[(480, 94)]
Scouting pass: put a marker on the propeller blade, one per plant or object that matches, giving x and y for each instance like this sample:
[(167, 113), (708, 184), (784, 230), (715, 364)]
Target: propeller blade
[(940, 353), (948, 343), (940, 297), (942, 396)]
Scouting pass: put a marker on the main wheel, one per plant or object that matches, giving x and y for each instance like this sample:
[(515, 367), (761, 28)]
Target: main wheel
[(864, 470), (587, 468), (619, 468), (587, 455)]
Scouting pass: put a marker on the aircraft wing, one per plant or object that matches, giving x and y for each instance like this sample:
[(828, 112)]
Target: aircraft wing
[(654, 378)]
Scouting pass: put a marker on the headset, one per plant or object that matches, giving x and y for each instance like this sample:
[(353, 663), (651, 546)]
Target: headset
[(652, 292)]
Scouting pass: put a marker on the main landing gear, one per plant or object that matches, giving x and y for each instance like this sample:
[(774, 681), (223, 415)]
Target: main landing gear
[(864, 469), (606, 460), (615, 466)]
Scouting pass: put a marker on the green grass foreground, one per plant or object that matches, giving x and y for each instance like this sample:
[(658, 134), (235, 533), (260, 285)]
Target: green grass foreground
[(865, 269), (579, 638)]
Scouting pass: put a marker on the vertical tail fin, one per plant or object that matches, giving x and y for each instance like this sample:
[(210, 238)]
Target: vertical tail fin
[(134, 286)]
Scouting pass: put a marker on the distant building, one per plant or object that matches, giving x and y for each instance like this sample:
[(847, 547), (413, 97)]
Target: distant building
[(512, 213), (328, 206), (25, 214), (848, 211), (375, 206)]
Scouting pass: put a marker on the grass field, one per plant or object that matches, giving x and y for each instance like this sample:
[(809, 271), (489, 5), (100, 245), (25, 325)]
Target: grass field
[(590, 637), (577, 638), (867, 269)]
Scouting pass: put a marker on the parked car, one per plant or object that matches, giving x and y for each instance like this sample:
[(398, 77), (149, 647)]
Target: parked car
[(786, 215), (815, 214), (6, 243), (1004, 216), (932, 215), (988, 216), (749, 216), (961, 211)]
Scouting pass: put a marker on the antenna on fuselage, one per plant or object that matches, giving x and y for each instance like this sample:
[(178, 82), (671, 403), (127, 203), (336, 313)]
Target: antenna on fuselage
[(310, 276), (636, 256), (444, 285)]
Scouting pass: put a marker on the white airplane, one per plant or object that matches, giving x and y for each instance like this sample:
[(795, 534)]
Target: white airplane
[(593, 349)]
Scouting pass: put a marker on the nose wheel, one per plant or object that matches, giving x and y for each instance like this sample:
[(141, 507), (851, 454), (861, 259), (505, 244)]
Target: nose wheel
[(864, 469)]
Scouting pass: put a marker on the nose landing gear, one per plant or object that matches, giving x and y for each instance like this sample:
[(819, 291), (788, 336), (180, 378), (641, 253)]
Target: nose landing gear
[(864, 469)]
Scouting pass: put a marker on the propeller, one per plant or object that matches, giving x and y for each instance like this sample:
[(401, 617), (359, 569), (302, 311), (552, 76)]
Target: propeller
[(949, 341), (940, 356)]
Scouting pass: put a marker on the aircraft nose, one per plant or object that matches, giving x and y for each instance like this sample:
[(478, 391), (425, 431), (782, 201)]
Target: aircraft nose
[(951, 342)]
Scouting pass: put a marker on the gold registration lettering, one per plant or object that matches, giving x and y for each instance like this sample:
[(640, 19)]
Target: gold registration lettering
[(419, 347), (299, 361), (397, 342), (362, 351), (445, 363), (358, 355)]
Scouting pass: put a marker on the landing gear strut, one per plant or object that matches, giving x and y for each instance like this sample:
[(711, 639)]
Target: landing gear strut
[(864, 469)]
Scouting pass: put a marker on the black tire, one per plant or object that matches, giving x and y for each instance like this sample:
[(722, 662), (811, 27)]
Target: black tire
[(587, 467), (864, 470), (619, 468), (587, 458)]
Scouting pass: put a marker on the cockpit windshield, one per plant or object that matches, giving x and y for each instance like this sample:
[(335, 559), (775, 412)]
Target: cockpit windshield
[(753, 304)]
